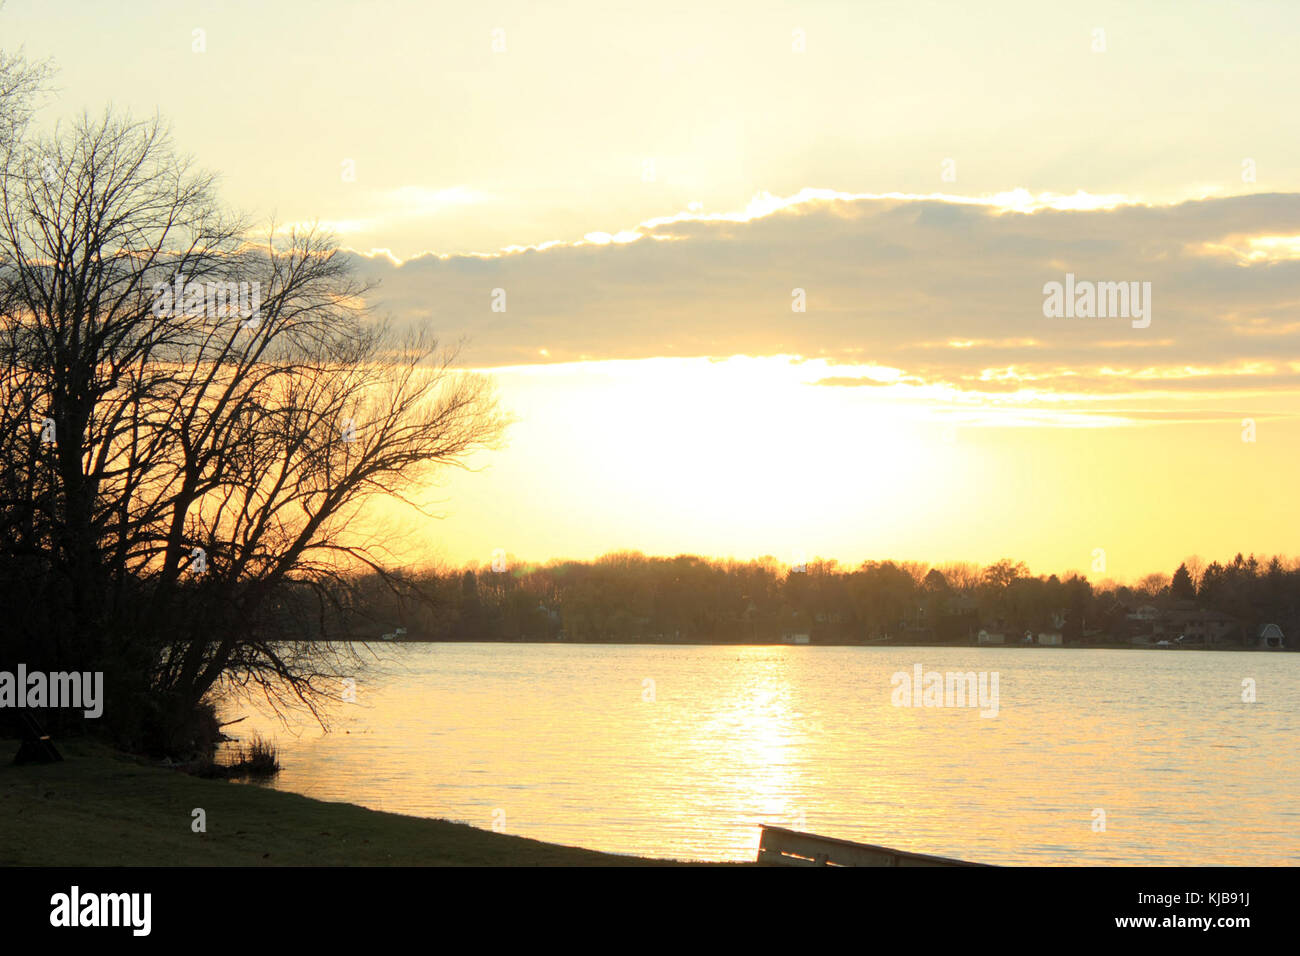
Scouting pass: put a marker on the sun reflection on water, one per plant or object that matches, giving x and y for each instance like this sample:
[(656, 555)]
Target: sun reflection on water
[(566, 744)]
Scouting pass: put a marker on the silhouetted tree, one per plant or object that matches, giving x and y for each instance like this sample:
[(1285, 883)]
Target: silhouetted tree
[(1181, 586), (185, 479)]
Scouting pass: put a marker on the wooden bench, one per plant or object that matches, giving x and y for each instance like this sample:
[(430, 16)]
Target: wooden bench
[(783, 847)]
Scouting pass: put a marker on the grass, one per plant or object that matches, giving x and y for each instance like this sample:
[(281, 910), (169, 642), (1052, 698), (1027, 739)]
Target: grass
[(102, 808)]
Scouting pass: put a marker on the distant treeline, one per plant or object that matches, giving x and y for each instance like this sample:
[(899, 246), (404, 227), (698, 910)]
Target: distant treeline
[(629, 597)]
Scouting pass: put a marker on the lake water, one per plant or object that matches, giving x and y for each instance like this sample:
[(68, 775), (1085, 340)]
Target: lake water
[(683, 751)]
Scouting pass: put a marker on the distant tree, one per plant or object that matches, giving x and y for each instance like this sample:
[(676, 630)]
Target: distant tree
[(1153, 585), (759, 601), (914, 569), (1001, 574), (961, 575), (1211, 583), (935, 581), (1182, 585)]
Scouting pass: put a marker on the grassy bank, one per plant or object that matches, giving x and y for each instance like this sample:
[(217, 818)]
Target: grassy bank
[(100, 808)]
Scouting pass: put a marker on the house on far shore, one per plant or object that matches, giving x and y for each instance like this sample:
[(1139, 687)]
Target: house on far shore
[(796, 638), (1270, 637), (1050, 639), (1146, 613), (988, 637), (1190, 626)]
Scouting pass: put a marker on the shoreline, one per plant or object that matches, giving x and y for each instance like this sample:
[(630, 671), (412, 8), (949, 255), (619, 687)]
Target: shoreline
[(866, 644), (102, 807)]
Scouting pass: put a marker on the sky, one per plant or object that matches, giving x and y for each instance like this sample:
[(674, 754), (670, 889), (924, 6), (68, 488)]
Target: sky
[(770, 278)]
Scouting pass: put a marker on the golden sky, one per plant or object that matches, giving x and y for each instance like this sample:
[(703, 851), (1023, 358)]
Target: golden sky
[(657, 190)]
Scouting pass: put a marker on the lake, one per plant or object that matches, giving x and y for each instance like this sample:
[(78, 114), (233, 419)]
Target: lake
[(1093, 757)]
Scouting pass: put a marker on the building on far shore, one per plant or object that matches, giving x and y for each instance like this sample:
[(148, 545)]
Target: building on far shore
[(1050, 639), (1146, 613), (1185, 623), (1270, 637), (989, 637)]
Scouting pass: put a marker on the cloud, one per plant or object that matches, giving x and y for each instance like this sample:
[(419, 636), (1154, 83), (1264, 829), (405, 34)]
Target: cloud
[(946, 290)]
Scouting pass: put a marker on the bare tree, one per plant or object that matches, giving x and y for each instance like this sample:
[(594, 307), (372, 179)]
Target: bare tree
[(961, 575), (20, 81), (198, 422), (1153, 585)]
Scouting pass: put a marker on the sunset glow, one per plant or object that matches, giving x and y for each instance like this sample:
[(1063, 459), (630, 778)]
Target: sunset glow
[(611, 435)]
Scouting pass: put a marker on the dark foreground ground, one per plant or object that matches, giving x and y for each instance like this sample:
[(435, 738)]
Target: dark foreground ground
[(101, 808)]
